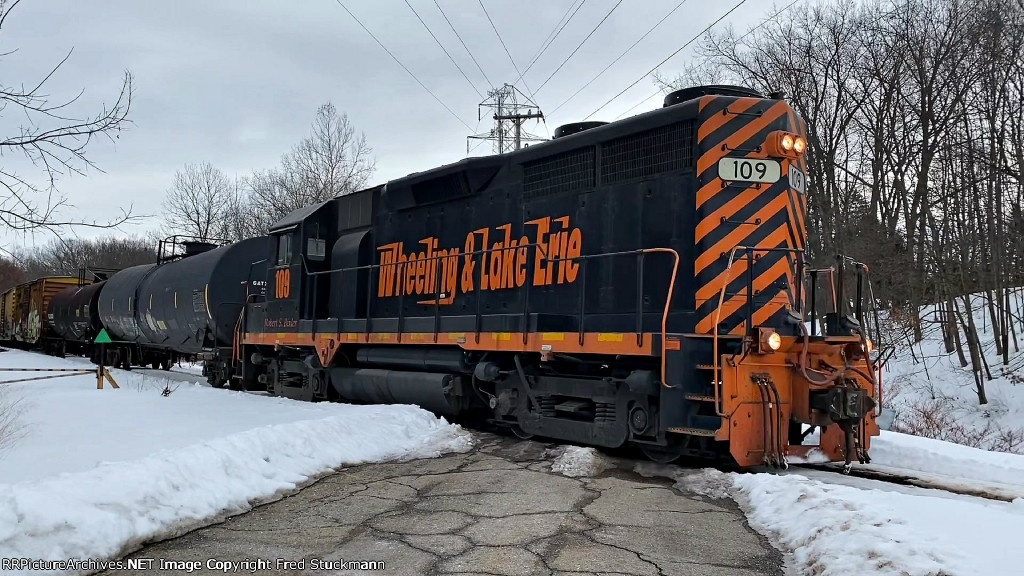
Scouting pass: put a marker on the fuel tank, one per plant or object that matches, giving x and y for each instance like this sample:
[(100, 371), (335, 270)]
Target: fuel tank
[(187, 305), (74, 312)]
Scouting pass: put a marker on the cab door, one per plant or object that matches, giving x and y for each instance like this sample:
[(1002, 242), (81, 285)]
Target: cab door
[(284, 285)]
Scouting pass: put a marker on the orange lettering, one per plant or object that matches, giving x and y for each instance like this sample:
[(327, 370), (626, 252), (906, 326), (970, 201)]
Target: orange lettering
[(283, 283), (540, 276), (575, 250), (386, 274), (470, 265), (521, 256)]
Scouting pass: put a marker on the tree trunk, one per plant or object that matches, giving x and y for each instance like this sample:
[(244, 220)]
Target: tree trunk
[(974, 345), (955, 332)]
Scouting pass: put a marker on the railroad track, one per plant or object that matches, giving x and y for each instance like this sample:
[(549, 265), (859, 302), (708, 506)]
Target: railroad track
[(906, 480)]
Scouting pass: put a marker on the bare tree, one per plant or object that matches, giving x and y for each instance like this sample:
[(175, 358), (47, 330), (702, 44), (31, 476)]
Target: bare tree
[(66, 257), (11, 273), (333, 160), (50, 142), (198, 202)]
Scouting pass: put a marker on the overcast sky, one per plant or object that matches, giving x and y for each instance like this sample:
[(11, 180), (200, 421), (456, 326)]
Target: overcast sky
[(236, 83)]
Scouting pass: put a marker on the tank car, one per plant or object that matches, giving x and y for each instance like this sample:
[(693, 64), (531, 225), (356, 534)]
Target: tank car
[(185, 305), (74, 315), (641, 282)]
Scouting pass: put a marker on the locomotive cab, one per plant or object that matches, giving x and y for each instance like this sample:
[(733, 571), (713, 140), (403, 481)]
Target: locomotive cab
[(299, 259)]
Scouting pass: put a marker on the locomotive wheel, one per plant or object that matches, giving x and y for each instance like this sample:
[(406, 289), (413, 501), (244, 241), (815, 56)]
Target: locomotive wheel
[(659, 454)]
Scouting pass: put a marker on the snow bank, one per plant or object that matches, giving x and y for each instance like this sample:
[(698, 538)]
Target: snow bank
[(958, 464), (828, 529), (577, 462), (102, 471)]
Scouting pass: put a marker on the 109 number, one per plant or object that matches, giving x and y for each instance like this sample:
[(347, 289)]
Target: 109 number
[(749, 170)]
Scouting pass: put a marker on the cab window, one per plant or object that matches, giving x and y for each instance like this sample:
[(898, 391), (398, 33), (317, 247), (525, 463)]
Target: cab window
[(284, 249), (316, 246)]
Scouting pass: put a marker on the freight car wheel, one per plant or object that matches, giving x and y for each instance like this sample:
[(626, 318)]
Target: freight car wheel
[(659, 454)]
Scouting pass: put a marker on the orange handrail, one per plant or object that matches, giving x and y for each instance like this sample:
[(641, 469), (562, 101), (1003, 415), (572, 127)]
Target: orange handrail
[(668, 304), (718, 316)]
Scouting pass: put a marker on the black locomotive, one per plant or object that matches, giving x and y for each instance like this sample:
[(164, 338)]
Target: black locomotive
[(635, 282), (641, 282)]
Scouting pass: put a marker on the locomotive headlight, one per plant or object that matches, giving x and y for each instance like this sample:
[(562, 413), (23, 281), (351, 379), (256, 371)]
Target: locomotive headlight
[(768, 340), (869, 345), (799, 145), (787, 143)]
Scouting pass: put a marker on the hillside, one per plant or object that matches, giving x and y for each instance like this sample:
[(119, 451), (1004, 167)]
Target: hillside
[(934, 396)]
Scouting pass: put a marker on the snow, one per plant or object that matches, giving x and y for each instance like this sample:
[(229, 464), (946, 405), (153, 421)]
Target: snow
[(188, 368), (948, 464), (934, 396), (827, 528), (830, 529), (577, 462), (98, 472), (830, 524)]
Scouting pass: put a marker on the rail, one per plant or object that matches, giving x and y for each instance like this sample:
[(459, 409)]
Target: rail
[(431, 262)]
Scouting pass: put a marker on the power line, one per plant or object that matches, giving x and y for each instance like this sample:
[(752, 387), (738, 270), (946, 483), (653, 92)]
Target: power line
[(631, 108), (404, 67), (767, 20), (468, 51), (507, 53), (553, 35), (550, 34), (441, 46), (680, 49), (740, 39), (599, 74), (567, 58)]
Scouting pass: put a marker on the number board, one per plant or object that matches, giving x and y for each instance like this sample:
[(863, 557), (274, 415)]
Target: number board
[(749, 170), (797, 179)]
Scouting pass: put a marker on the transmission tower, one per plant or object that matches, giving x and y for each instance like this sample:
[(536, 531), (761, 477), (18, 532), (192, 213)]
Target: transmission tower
[(509, 107)]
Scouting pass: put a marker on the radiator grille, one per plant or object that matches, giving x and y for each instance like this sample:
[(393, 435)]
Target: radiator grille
[(571, 171), (648, 153)]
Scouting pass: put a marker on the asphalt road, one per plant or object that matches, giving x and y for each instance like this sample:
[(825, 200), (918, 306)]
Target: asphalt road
[(497, 510)]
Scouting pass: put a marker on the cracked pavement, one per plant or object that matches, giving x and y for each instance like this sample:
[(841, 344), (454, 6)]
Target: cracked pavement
[(496, 510)]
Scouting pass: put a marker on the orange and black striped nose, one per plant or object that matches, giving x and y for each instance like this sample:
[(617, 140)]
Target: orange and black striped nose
[(750, 194)]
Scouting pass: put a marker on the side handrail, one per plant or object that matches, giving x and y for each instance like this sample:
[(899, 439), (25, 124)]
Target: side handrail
[(668, 304), (483, 252), (542, 248)]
